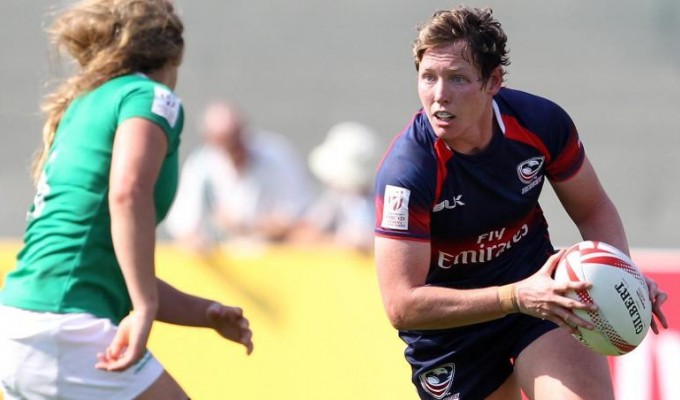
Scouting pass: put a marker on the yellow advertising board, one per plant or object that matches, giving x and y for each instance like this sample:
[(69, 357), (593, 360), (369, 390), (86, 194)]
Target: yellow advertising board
[(318, 326), (320, 331)]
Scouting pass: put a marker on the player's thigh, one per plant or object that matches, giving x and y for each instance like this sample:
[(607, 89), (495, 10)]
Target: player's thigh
[(165, 387), (556, 366)]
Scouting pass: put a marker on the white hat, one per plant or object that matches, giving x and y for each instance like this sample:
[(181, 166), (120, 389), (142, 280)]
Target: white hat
[(347, 157)]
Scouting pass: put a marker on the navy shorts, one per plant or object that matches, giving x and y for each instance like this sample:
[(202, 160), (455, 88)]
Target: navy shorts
[(469, 362)]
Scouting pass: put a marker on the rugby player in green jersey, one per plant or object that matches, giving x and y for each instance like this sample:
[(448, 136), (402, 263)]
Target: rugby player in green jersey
[(77, 311)]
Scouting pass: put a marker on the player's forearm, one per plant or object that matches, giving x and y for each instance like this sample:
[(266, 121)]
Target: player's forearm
[(133, 228), (180, 308), (603, 223), (432, 307)]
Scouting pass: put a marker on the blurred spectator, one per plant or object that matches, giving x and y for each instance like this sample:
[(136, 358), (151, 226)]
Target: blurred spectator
[(344, 214), (241, 183)]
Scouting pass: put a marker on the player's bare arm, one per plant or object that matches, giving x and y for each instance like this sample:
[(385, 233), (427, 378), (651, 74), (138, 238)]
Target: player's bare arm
[(138, 152)]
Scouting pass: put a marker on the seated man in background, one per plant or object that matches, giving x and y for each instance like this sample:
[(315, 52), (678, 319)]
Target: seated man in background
[(241, 183)]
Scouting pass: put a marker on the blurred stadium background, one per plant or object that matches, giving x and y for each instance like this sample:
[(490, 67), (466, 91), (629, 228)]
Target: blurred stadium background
[(298, 67)]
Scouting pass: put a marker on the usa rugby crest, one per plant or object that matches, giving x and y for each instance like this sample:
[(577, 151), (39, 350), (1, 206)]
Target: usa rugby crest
[(529, 169), (437, 381)]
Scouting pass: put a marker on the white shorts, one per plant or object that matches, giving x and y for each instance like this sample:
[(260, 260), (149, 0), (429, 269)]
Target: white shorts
[(49, 356)]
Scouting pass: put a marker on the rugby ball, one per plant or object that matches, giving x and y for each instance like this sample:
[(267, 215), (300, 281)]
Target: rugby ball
[(618, 289)]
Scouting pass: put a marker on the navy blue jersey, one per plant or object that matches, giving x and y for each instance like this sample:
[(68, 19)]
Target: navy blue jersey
[(481, 216), (480, 213)]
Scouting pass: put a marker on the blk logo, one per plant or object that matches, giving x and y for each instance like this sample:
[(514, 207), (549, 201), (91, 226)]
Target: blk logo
[(449, 204)]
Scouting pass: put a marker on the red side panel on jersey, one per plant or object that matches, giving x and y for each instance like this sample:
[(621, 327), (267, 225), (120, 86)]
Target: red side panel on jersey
[(417, 214), (515, 131), (444, 154), (570, 160)]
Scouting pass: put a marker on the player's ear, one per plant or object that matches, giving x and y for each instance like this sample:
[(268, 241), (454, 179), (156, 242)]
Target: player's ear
[(495, 81)]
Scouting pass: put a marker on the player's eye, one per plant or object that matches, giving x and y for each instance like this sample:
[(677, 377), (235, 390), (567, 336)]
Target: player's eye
[(428, 77), (459, 80)]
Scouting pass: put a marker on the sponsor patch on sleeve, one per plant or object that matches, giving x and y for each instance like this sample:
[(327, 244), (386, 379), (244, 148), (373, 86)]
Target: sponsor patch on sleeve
[(165, 104), (395, 208)]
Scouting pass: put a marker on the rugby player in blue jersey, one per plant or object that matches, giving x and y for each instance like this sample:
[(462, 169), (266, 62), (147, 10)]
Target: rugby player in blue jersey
[(463, 253)]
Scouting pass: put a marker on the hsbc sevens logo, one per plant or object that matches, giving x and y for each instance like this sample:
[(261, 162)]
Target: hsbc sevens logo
[(527, 170), (396, 197), (396, 202)]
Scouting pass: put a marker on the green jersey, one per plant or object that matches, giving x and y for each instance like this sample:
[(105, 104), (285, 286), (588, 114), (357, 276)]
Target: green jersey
[(68, 263)]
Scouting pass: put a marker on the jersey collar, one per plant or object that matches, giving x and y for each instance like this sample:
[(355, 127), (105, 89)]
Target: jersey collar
[(499, 117)]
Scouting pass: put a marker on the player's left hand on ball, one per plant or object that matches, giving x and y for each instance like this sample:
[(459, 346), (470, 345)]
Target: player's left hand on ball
[(658, 297), (230, 323)]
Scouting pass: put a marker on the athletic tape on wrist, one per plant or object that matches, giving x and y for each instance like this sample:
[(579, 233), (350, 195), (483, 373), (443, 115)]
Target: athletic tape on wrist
[(507, 298)]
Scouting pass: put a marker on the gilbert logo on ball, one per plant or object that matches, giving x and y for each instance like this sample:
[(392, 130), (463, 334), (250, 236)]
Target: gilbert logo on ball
[(619, 290)]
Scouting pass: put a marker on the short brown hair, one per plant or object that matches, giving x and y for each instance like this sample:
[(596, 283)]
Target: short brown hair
[(485, 41)]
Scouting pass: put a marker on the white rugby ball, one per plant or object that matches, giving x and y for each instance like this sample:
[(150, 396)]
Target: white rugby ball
[(619, 290)]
